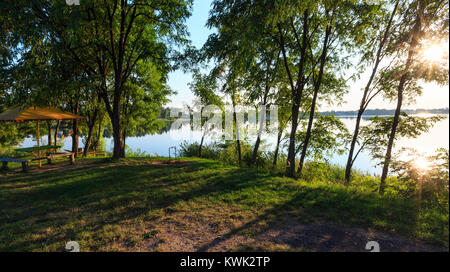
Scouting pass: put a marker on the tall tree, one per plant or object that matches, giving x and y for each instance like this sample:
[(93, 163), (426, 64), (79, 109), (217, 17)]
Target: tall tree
[(262, 81), (297, 30), (317, 84), (243, 24), (328, 51), (428, 19), (375, 55), (109, 40), (284, 117), (204, 88)]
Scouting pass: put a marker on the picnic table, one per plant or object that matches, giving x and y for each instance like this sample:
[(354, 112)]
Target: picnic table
[(35, 152), (49, 156), (37, 114)]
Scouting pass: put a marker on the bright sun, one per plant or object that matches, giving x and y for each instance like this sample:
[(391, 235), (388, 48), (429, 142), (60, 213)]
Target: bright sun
[(435, 52), (422, 163)]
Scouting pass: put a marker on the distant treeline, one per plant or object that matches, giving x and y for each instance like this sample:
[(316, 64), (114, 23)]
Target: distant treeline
[(165, 112), (375, 112)]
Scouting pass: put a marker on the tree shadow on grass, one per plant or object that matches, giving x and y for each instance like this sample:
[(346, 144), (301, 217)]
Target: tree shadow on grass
[(342, 208), (111, 195), (84, 200)]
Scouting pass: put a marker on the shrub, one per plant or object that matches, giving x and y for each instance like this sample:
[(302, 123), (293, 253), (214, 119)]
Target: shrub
[(138, 153), (209, 151)]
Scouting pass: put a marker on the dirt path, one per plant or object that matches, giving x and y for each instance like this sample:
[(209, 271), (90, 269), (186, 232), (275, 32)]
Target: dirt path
[(284, 236), (328, 237)]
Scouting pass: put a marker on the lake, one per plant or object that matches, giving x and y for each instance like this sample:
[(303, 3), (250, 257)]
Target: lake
[(158, 144)]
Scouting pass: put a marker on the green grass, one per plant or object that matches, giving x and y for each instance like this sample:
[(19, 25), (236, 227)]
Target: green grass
[(114, 205)]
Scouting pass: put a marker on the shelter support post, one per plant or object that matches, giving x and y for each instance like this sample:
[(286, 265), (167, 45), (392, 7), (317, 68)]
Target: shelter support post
[(38, 142), (25, 166)]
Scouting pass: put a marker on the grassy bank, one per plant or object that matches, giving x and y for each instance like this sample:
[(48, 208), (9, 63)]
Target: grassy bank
[(122, 205)]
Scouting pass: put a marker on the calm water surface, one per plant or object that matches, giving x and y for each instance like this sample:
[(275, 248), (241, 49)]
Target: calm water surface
[(158, 144)]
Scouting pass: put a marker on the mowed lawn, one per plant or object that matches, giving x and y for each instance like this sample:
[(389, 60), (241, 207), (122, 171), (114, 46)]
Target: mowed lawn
[(144, 204)]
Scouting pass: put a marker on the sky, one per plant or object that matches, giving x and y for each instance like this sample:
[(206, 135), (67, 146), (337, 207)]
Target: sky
[(433, 96)]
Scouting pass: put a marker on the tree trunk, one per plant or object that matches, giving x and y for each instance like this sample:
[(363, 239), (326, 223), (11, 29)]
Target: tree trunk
[(38, 139), (416, 31), (323, 59), (58, 124), (238, 142), (75, 137), (261, 120), (365, 99), (258, 140), (118, 151), (388, 155), (88, 140), (275, 156), (308, 132), (91, 124), (99, 134), (290, 163), (75, 130), (200, 147), (255, 150), (297, 90), (114, 116), (49, 127), (348, 168), (122, 145)]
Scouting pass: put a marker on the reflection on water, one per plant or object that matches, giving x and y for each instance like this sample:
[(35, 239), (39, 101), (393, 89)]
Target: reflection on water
[(427, 143)]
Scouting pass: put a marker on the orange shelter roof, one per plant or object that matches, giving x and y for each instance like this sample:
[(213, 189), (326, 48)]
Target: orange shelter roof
[(34, 113)]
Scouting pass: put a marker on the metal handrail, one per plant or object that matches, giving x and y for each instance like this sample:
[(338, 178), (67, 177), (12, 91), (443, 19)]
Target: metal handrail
[(175, 151)]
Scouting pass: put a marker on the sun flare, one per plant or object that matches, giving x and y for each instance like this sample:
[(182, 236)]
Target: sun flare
[(422, 163), (435, 52)]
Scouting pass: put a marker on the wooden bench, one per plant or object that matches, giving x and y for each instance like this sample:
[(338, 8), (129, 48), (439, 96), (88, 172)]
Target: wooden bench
[(103, 153), (48, 157), (80, 153), (53, 155), (24, 162)]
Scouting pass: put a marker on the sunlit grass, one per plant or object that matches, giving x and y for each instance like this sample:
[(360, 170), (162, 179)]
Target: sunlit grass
[(117, 205)]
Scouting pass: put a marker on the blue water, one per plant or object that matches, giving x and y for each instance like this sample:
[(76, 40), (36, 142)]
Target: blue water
[(158, 144)]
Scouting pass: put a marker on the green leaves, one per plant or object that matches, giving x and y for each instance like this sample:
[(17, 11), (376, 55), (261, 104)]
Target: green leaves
[(329, 136), (375, 135), (118, 51), (204, 88)]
